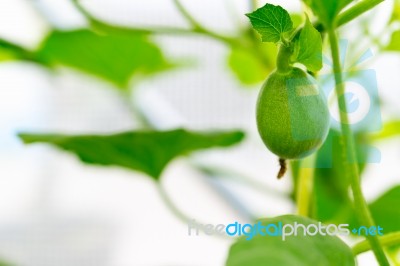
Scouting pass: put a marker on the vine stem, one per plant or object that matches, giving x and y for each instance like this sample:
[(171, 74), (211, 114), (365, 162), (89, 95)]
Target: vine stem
[(349, 153), (305, 185), (232, 176), (197, 28), (180, 214), (386, 240), (171, 205), (22, 52), (186, 14), (356, 10)]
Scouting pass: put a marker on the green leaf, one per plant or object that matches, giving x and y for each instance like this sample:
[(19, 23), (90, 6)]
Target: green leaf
[(386, 212), (297, 250), (308, 48), (3, 263), (248, 67), (271, 22), (394, 44), (115, 57), (393, 254), (390, 129), (297, 19), (145, 151), (327, 10)]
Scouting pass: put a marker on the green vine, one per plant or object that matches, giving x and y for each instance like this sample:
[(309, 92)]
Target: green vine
[(349, 153), (388, 240)]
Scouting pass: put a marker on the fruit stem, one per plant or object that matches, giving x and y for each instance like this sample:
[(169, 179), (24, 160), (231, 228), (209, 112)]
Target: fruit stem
[(305, 185), (283, 62), (349, 153), (282, 170)]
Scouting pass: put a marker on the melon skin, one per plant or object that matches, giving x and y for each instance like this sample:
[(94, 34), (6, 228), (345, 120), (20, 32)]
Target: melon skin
[(292, 114)]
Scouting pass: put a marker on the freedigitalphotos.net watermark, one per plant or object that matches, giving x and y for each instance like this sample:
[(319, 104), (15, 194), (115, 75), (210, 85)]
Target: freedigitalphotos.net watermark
[(280, 230)]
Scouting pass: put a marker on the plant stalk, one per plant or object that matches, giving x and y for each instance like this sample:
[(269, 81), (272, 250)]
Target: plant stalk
[(197, 28), (253, 4), (180, 214), (186, 14), (356, 10), (171, 205), (283, 63), (388, 240), (21, 53), (305, 185), (349, 153)]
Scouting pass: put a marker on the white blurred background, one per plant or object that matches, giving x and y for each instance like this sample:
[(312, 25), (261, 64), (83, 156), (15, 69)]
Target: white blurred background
[(56, 211)]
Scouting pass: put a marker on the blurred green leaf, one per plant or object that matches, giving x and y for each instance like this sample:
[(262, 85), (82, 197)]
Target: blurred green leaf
[(386, 212), (145, 151), (393, 254), (297, 250), (396, 11), (3, 263), (297, 19), (394, 44), (390, 129), (271, 22), (248, 67), (308, 48), (112, 56), (327, 10)]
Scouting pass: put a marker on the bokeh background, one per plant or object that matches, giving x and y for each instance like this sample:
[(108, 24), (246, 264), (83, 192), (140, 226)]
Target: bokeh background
[(54, 210)]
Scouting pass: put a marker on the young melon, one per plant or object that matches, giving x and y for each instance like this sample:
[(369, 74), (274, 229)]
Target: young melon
[(292, 114)]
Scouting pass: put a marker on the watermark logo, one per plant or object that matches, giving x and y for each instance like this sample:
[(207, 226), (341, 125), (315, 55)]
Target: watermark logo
[(280, 230), (361, 97)]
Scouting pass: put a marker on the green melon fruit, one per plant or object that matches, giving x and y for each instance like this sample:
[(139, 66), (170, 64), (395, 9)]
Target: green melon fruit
[(292, 114)]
